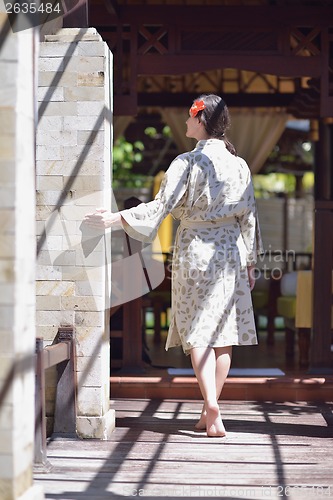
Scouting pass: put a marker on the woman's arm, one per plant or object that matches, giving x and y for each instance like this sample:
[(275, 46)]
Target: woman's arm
[(103, 219)]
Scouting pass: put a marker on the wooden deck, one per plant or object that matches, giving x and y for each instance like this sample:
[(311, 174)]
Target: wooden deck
[(272, 450)]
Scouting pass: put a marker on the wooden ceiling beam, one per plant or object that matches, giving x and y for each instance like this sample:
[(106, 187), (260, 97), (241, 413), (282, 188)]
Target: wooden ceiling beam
[(182, 99), (264, 17), (175, 64)]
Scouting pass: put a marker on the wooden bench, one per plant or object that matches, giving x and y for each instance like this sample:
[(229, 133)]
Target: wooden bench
[(62, 355)]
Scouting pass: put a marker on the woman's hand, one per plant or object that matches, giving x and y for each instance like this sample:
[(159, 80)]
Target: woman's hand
[(251, 275), (103, 219)]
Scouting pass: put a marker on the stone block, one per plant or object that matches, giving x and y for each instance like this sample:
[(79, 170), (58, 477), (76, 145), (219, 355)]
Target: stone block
[(88, 319), (74, 35), (61, 109), (5, 365), (96, 427), (90, 93), (90, 152), (93, 48), (7, 121), (57, 138), (7, 294), (7, 247), (49, 153), (89, 401), (43, 212), (52, 78), (74, 212), (55, 318), (90, 108), (53, 243), (89, 370), (84, 136), (89, 200), (7, 169), (47, 303), (51, 64), (60, 49), (91, 79), (84, 64), (6, 316), (62, 288), (6, 417), (94, 259), (83, 123), (84, 182), (51, 273), (47, 332), (82, 303), (7, 274), (9, 75), (88, 340), (50, 94), (52, 198), (50, 123), (7, 146), (7, 344), (49, 182), (54, 258), (89, 287)]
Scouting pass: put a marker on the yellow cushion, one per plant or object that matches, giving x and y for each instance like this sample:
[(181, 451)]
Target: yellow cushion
[(259, 299), (286, 307)]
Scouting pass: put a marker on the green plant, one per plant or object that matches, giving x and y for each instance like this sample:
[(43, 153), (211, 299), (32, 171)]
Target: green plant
[(126, 155)]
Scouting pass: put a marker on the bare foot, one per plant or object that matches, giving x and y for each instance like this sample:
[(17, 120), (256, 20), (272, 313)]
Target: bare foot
[(201, 424), (214, 424)]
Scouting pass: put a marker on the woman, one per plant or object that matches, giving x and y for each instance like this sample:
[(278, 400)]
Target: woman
[(209, 190)]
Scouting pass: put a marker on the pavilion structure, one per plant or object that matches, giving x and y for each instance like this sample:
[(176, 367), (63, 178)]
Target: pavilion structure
[(258, 54)]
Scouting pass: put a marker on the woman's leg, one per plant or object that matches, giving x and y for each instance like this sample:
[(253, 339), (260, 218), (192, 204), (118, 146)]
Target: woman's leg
[(223, 362), (204, 362)]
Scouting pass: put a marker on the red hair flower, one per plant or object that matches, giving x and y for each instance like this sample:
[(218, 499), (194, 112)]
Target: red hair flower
[(196, 106)]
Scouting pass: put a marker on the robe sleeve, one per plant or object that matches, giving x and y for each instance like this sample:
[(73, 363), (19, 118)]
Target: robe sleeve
[(249, 222), (142, 222)]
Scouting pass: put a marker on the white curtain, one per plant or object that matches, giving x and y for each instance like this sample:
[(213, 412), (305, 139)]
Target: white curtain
[(176, 118), (254, 134)]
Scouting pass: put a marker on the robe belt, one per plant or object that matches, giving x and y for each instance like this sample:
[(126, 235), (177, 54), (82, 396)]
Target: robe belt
[(201, 224)]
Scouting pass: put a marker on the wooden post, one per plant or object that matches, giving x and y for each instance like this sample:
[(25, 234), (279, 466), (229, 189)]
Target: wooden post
[(40, 455), (132, 311), (323, 254), (65, 408)]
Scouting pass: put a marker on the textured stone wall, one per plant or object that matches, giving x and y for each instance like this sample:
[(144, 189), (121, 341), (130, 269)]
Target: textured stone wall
[(74, 177), (17, 266)]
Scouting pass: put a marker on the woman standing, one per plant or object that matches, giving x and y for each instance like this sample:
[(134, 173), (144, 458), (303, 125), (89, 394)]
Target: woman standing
[(209, 190)]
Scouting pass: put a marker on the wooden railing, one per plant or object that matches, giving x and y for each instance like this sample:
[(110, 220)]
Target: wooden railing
[(62, 355)]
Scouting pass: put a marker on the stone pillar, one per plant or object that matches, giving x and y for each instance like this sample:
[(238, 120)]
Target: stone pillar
[(17, 265), (74, 138)]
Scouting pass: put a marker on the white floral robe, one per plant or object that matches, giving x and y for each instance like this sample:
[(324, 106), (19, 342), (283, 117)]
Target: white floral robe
[(210, 192)]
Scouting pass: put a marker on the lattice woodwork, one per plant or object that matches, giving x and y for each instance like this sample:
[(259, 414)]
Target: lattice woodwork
[(170, 49)]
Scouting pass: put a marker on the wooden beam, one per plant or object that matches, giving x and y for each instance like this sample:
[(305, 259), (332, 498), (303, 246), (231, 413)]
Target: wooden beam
[(181, 99), (323, 253), (203, 16), (76, 16), (182, 63)]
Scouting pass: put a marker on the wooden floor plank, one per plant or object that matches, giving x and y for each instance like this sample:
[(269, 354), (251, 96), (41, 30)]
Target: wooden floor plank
[(281, 450)]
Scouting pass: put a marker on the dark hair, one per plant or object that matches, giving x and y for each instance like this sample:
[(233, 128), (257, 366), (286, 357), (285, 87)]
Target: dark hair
[(215, 118)]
